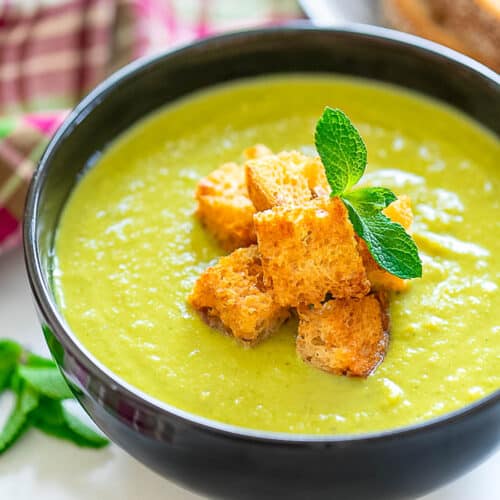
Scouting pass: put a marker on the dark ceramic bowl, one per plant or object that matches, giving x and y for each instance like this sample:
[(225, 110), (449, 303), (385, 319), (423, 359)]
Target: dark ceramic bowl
[(210, 457)]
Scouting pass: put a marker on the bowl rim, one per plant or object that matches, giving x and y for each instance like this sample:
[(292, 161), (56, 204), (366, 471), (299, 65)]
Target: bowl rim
[(54, 318)]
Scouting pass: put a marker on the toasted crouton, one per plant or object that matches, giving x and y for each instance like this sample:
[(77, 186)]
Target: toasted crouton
[(224, 207), (230, 296), (345, 336), (277, 180), (287, 179), (314, 171), (309, 252), (256, 151), (399, 211)]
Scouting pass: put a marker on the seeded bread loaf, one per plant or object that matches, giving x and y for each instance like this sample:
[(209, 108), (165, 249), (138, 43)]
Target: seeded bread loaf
[(469, 26)]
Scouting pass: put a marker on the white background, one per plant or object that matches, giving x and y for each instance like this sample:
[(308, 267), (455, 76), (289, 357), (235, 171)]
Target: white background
[(43, 468)]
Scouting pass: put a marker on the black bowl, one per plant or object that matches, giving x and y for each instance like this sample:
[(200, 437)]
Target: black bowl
[(210, 457)]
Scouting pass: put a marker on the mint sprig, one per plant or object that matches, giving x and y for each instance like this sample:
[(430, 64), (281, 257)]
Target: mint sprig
[(46, 380), (53, 419), (40, 390), (343, 154), (9, 354), (341, 149), (17, 423)]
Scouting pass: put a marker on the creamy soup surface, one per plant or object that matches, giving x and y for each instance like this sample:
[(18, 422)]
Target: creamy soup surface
[(128, 251)]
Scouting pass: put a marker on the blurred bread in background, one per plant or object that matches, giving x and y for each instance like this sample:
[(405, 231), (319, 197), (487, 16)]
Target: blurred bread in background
[(469, 26)]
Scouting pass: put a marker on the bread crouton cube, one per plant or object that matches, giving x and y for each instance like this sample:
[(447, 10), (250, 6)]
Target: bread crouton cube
[(231, 296), (344, 336), (314, 172), (399, 211), (224, 207), (287, 178), (256, 151), (277, 180), (309, 252)]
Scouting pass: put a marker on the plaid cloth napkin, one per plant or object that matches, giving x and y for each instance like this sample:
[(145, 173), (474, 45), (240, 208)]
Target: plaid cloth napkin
[(53, 51)]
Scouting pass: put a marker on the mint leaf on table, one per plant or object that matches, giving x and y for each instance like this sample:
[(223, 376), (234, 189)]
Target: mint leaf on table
[(341, 149), (48, 381), (17, 423), (48, 412), (52, 418), (36, 360), (40, 389), (343, 154), (81, 433), (10, 353)]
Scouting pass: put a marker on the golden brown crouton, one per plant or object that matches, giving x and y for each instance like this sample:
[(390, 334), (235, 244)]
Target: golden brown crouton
[(224, 207), (314, 172), (231, 297), (343, 336), (309, 252), (256, 151), (288, 179), (277, 180), (398, 211)]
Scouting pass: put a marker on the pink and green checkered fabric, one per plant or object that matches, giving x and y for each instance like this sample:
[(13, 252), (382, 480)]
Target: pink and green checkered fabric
[(54, 51)]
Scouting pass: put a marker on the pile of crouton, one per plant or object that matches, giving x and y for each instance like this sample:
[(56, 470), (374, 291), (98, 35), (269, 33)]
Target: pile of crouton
[(293, 250)]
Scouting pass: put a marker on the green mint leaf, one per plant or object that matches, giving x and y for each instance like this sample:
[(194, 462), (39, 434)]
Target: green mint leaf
[(390, 245), (371, 200), (341, 149), (83, 435), (46, 380), (35, 360), (17, 423), (48, 411), (39, 388), (59, 432), (10, 352), (52, 418)]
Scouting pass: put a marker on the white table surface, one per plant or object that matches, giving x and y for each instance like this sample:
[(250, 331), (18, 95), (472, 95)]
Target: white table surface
[(43, 468)]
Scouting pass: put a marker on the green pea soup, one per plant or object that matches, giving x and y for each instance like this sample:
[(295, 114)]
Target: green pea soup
[(128, 251)]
